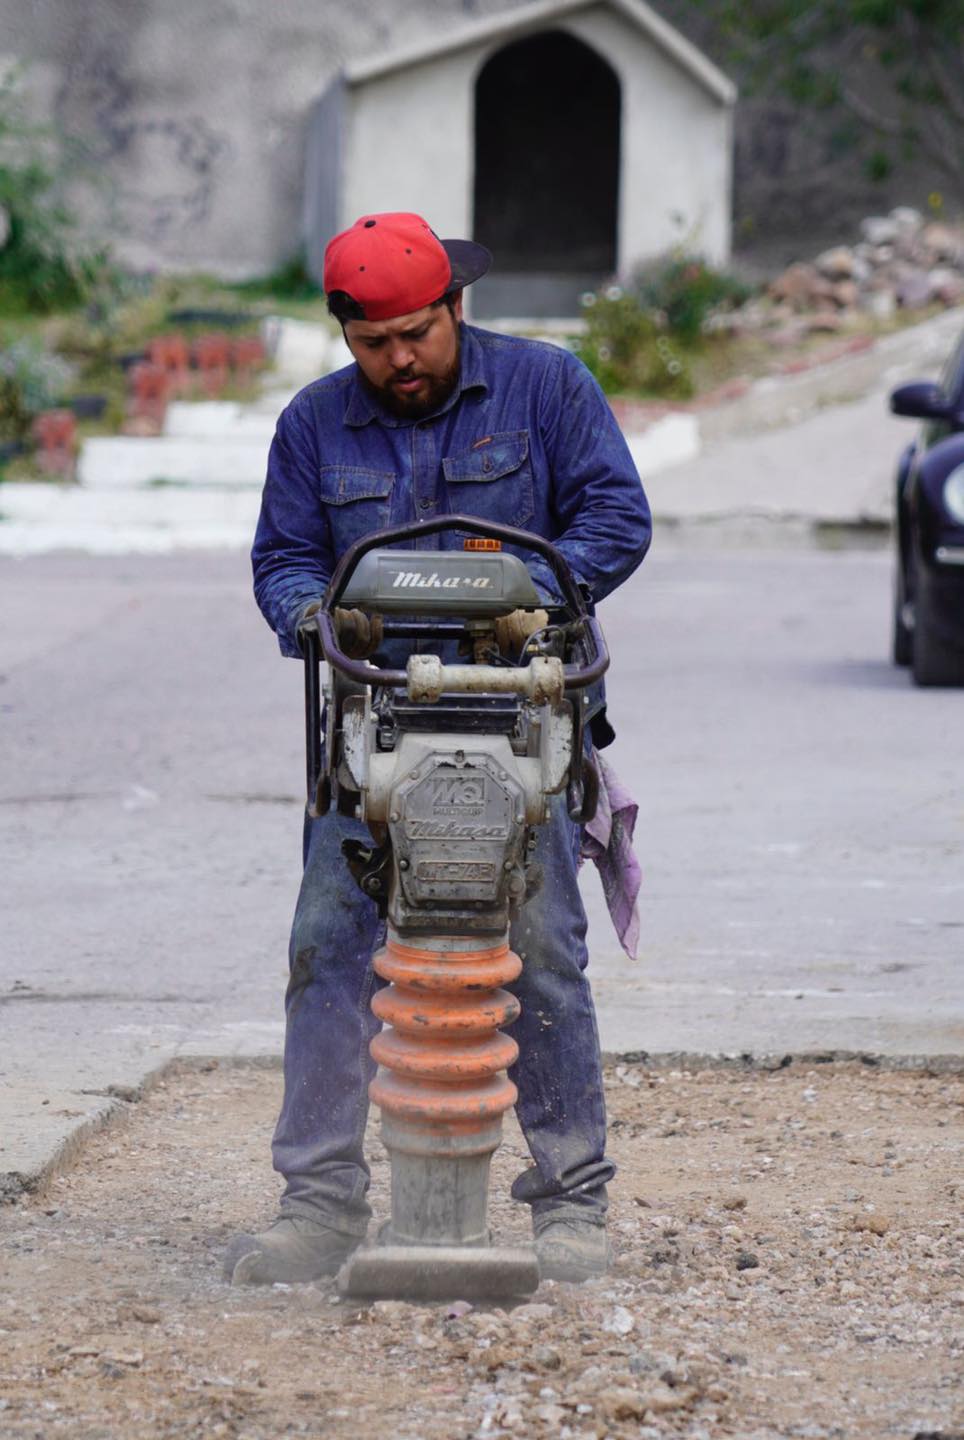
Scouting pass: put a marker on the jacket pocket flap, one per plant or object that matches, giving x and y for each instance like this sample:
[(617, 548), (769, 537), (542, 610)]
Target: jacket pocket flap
[(339, 484), (500, 455)]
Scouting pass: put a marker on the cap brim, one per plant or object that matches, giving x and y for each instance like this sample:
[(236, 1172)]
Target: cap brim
[(469, 262)]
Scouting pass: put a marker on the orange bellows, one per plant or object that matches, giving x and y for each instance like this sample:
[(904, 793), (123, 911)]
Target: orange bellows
[(443, 1089)]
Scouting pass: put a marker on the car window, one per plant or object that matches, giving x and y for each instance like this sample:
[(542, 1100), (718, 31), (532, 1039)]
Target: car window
[(952, 376)]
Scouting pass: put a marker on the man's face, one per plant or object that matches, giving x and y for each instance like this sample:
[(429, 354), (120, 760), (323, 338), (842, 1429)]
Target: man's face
[(411, 363)]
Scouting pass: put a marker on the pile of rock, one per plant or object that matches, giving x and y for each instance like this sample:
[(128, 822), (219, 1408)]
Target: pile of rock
[(902, 261)]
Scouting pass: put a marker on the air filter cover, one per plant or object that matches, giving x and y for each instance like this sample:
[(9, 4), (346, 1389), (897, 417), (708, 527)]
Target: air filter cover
[(440, 582)]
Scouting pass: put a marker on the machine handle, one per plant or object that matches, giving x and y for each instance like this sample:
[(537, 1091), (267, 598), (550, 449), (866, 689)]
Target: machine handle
[(318, 801), (489, 528), (582, 792), (577, 677)]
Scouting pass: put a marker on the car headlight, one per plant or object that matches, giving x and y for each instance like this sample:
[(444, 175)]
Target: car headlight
[(954, 494)]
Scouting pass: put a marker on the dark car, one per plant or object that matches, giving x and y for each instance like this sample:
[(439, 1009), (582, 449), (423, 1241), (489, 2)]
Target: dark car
[(929, 593)]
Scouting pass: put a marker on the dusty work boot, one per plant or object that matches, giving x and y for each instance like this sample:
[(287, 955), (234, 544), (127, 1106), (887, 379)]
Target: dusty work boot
[(571, 1244), (293, 1250)]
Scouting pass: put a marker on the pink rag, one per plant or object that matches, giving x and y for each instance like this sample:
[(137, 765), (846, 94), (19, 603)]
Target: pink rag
[(608, 842)]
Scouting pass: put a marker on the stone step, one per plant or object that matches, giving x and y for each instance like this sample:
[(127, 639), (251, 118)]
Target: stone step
[(216, 420), (216, 443), (126, 462), (301, 350), (36, 518), (188, 492), (193, 451), (273, 401)]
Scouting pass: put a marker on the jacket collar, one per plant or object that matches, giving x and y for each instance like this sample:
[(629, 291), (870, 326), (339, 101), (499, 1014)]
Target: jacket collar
[(361, 406)]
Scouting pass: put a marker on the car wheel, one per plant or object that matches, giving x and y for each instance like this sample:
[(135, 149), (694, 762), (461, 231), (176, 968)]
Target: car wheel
[(902, 647), (934, 661)]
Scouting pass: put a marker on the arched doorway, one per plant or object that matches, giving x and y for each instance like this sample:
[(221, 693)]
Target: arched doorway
[(546, 198)]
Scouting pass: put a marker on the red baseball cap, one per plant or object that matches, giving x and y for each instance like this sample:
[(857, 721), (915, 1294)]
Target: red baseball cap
[(392, 264)]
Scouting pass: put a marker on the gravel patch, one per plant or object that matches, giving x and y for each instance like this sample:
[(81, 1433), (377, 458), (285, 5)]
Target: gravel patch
[(788, 1263)]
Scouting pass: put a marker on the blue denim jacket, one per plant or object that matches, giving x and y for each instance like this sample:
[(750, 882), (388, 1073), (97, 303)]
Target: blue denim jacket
[(526, 438)]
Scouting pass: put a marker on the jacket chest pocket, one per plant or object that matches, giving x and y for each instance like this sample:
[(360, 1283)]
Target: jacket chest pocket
[(357, 501), (493, 480)]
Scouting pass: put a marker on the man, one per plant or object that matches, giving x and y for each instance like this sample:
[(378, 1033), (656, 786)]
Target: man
[(434, 417)]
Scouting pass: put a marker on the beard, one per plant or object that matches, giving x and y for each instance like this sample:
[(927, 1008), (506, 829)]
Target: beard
[(434, 391)]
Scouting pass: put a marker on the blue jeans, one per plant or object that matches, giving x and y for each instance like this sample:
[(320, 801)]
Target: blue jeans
[(318, 1142)]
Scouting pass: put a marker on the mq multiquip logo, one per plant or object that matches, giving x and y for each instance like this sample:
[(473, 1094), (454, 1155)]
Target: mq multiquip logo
[(464, 792)]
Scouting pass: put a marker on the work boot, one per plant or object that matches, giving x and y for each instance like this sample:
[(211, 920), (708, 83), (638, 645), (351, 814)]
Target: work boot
[(571, 1245), (293, 1250)]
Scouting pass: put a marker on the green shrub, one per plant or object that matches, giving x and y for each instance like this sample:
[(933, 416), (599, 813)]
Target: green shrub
[(626, 349), (686, 290), (41, 269), (31, 380), (644, 338), (290, 281)]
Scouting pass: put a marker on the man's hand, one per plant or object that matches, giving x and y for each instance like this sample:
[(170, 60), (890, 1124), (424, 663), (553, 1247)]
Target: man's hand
[(359, 635), (512, 631)]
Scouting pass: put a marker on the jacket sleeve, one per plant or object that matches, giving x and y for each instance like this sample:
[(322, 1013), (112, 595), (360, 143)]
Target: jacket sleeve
[(292, 555), (601, 510)]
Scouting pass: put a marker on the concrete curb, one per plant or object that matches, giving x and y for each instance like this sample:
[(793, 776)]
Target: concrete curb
[(843, 373), (117, 1105)]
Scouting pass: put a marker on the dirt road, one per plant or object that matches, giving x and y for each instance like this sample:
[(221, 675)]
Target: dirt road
[(788, 1264)]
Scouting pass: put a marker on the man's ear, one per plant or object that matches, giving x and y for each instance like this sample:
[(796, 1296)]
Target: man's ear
[(457, 305)]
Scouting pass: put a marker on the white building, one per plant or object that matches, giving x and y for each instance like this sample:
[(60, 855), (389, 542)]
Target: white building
[(573, 137)]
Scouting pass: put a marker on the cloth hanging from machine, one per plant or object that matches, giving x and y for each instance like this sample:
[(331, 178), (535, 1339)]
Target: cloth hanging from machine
[(608, 842)]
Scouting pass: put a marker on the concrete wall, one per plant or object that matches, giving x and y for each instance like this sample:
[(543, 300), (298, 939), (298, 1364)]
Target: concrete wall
[(188, 118)]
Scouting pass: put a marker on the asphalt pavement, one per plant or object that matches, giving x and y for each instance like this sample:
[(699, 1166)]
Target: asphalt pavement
[(801, 822)]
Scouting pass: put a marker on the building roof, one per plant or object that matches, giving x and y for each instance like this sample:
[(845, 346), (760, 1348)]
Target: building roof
[(535, 16)]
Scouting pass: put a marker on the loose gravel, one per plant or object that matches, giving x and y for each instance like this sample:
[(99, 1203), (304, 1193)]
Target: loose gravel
[(789, 1263)]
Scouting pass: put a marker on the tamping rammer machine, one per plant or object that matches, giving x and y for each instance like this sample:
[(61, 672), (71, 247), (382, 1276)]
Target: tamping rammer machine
[(451, 762)]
